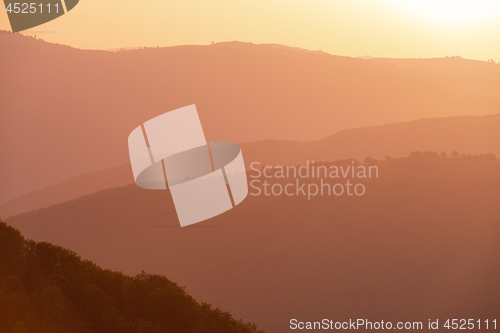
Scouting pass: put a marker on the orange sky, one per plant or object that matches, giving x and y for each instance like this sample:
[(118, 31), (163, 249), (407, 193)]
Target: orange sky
[(383, 28)]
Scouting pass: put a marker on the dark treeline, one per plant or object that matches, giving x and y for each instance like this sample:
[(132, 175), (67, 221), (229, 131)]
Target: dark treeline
[(46, 288)]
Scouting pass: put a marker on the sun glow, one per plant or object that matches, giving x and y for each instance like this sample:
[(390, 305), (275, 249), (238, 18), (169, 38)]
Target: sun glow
[(452, 12)]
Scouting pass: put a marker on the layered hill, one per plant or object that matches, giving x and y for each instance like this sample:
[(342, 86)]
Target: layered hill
[(421, 243), (66, 112), (465, 135)]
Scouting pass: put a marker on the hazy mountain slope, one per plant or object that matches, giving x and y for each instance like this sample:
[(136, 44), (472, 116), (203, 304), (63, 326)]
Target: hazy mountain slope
[(66, 112), (422, 243), (461, 76), (69, 189), (466, 135)]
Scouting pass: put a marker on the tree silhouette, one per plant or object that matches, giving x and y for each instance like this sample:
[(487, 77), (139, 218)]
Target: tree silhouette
[(45, 288)]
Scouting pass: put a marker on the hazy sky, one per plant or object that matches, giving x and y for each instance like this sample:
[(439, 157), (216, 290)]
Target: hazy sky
[(382, 28)]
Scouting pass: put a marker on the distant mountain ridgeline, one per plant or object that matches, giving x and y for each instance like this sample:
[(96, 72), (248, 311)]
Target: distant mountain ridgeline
[(45, 288), (66, 112)]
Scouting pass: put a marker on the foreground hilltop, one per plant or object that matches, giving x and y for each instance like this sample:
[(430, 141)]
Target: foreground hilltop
[(45, 288)]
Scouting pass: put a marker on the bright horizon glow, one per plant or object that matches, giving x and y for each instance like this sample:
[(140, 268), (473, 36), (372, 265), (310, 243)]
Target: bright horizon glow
[(452, 12), (379, 28)]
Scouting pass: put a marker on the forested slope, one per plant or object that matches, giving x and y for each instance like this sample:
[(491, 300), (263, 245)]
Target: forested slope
[(46, 288)]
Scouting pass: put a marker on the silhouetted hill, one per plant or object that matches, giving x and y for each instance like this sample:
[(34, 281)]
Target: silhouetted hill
[(66, 112), (466, 135), (45, 288), (421, 244)]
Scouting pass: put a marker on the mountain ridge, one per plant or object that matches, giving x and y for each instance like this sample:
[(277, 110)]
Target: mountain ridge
[(71, 110), (464, 134)]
